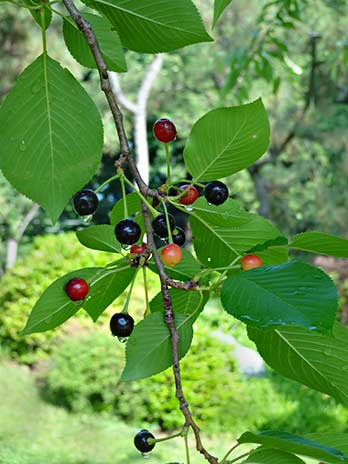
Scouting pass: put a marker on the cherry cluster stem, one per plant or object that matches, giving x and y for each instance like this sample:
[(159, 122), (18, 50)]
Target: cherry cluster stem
[(126, 156)]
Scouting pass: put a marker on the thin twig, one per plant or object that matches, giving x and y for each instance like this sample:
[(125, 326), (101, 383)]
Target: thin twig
[(126, 155)]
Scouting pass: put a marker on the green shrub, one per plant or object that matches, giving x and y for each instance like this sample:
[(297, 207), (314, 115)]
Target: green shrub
[(83, 376), (51, 257)]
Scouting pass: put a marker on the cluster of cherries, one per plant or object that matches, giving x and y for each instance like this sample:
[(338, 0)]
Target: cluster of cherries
[(128, 232)]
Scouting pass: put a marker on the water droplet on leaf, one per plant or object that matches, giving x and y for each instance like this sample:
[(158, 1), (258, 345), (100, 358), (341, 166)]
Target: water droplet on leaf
[(22, 146)]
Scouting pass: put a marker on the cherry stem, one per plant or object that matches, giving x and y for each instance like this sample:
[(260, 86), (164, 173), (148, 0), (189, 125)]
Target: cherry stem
[(231, 266), (143, 199), (236, 459), (106, 182), (166, 149), (43, 30), (228, 453), (126, 305), (187, 449), (151, 441), (148, 310), (190, 181), (170, 237), (123, 187)]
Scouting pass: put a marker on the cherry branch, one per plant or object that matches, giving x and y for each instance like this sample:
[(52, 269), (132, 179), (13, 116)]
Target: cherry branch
[(126, 155)]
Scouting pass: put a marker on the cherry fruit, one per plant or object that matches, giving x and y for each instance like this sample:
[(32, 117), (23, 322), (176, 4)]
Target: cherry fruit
[(190, 196), (159, 225), (77, 289), (121, 325), (250, 262), (85, 202), (179, 238), (127, 232), (216, 192), (171, 254), (140, 441), (138, 249), (164, 130)]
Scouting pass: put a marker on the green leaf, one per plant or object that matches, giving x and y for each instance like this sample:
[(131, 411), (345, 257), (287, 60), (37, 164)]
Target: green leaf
[(51, 136), (292, 443), (183, 301), (36, 14), (324, 244), (54, 306), (101, 237), (219, 7), (291, 294), (227, 140), (149, 347), (221, 233), (313, 359), (109, 41), (186, 269), (106, 287), (265, 455), (133, 206), (153, 27), (334, 440)]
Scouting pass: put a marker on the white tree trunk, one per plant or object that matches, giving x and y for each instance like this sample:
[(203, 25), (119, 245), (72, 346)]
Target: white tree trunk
[(139, 110)]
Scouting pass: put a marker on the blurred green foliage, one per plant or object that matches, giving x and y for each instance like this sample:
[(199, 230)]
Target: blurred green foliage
[(219, 396)]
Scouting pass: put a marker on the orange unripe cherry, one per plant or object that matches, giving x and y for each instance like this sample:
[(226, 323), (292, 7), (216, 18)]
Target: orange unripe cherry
[(250, 262), (171, 255)]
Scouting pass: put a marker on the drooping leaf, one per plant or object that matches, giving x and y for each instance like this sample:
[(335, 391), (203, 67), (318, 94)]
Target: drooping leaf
[(51, 135), (185, 270), (265, 455), (153, 27), (54, 306), (219, 7), (227, 140), (108, 39), (293, 444), (324, 244), (184, 302), (334, 440), (291, 294), (223, 232), (316, 360), (106, 287), (149, 347), (100, 237)]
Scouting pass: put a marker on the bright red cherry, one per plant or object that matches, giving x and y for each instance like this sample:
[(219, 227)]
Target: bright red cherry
[(138, 249), (190, 196), (250, 262), (171, 254), (164, 130), (77, 289)]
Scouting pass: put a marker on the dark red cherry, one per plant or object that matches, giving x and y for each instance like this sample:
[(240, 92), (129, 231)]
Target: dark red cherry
[(121, 325), (164, 130), (85, 202), (127, 231), (77, 289), (141, 441)]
